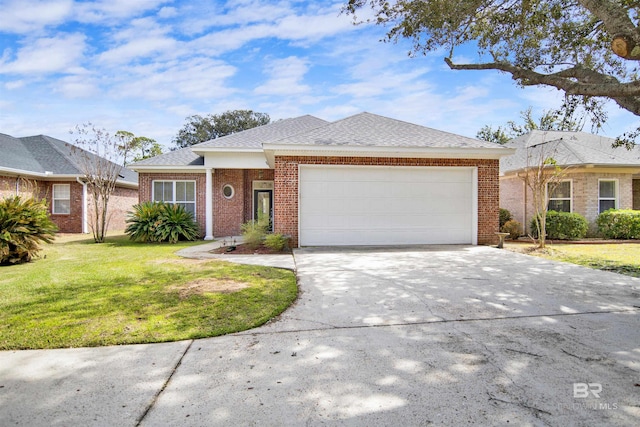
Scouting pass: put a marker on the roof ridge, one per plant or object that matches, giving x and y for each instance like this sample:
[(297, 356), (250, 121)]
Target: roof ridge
[(251, 130), (62, 153)]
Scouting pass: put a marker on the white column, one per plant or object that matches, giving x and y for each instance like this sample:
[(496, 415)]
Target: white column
[(209, 205)]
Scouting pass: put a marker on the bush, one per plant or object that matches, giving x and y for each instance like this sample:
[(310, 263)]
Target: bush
[(24, 223), (512, 227), (161, 222), (254, 233), (619, 224), (563, 226), (276, 242), (505, 216)]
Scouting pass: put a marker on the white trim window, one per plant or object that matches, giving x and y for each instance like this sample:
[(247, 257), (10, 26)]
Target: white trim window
[(61, 196), (560, 197), (181, 193), (607, 194)]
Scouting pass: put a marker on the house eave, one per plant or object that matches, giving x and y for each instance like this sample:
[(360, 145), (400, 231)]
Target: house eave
[(47, 175), (273, 150), (202, 151), (588, 168), (167, 169)]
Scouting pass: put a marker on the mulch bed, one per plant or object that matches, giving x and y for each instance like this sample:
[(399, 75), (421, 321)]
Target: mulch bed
[(246, 250)]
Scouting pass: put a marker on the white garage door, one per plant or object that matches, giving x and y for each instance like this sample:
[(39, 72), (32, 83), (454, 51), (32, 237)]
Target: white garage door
[(379, 205)]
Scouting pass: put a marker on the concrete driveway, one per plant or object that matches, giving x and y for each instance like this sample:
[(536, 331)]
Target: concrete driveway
[(409, 336)]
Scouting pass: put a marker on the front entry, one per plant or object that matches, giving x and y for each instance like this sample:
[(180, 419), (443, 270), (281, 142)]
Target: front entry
[(263, 202)]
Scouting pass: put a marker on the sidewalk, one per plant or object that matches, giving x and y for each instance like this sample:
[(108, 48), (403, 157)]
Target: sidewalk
[(203, 251)]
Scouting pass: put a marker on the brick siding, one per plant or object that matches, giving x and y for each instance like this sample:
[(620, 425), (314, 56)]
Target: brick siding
[(145, 187), (286, 188), (120, 203), (228, 214), (585, 190)]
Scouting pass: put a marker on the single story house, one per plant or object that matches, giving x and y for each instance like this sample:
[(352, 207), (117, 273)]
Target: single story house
[(45, 167), (362, 180), (595, 176)]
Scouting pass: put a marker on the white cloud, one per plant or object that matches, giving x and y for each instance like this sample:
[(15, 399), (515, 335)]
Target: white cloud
[(78, 86), (167, 12), (111, 11), (203, 16), (13, 85), (285, 78), (197, 78), (141, 47), (21, 17), (46, 55)]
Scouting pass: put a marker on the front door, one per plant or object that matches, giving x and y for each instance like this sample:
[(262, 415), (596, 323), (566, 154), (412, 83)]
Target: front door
[(263, 206)]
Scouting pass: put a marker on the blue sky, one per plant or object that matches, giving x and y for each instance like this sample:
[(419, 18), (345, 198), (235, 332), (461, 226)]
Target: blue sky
[(145, 65)]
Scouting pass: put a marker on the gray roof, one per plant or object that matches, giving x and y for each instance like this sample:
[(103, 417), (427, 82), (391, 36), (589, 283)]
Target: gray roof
[(371, 130), (255, 137), (40, 154), (364, 129), (248, 139), (567, 149), (182, 157)]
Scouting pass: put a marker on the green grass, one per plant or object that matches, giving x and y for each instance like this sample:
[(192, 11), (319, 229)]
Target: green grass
[(120, 292), (623, 258)]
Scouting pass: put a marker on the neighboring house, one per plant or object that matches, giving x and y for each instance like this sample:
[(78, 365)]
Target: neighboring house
[(595, 176), (362, 180), (46, 168)]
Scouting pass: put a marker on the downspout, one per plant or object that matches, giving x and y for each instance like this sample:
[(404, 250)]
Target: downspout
[(18, 185), (524, 207), (85, 220)]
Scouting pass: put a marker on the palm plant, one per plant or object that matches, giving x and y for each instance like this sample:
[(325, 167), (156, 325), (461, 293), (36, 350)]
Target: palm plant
[(161, 222), (24, 224)]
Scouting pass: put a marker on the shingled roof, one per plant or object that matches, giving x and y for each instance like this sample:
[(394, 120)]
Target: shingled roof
[(371, 130), (567, 149), (43, 154), (255, 137)]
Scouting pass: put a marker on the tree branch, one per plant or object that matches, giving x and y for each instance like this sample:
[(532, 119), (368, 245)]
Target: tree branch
[(576, 80)]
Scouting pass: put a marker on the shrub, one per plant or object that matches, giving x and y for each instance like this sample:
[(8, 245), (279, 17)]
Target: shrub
[(619, 224), (24, 224), (254, 233), (276, 242), (512, 227), (161, 222), (505, 216), (563, 226)]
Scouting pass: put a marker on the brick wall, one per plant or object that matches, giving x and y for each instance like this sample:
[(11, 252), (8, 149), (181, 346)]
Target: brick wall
[(228, 214), (286, 188), (120, 204), (71, 223), (585, 189), (145, 190), (512, 198)]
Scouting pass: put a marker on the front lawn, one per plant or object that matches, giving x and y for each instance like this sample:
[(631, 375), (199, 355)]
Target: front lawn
[(119, 292), (623, 258)]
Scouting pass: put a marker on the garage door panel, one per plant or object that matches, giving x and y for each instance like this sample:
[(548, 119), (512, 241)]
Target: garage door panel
[(361, 205)]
